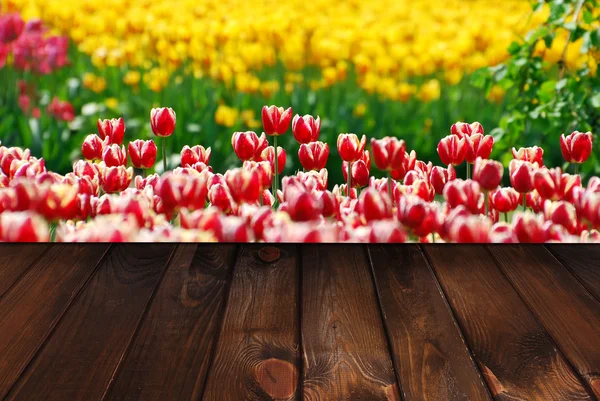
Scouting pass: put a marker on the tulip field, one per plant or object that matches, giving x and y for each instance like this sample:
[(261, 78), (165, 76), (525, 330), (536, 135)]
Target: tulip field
[(310, 122)]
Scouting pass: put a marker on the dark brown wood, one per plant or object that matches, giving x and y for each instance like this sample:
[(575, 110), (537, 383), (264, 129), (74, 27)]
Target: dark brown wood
[(583, 261), (518, 359), (79, 359), (169, 358), (15, 259), (31, 309), (346, 356), (257, 354), (431, 358), (570, 314)]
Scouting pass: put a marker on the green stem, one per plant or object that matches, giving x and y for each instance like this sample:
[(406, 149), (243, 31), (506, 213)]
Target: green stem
[(486, 200), (524, 202), (506, 217), (164, 152), (433, 238), (390, 182), (576, 168), (468, 171), (276, 162), (349, 183)]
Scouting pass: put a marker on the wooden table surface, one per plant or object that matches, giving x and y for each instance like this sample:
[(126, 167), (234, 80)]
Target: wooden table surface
[(312, 322)]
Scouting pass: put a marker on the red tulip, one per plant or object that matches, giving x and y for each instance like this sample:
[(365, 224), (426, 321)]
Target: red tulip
[(350, 147), (276, 120), (360, 171), (452, 150), (113, 155), (306, 129), (590, 236), (11, 27), (264, 171), (244, 185), (301, 204), (529, 227), (470, 229), (562, 213), (183, 191), (142, 153), (27, 168), (220, 197), (467, 193), (115, 179), (505, 200), (58, 201), (162, 121), (153, 180), (534, 201), (374, 205), (408, 163), (462, 130), (83, 168), (488, 173), (387, 231), (92, 147), (268, 154), (587, 205), (439, 176), (23, 227), (388, 153), (548, 182), (331, 206), (195, 154), (419, 215), (313, 156), (247, 145), (521, 175), (576, 147), (502, 233), (11, 154), (533, 154), (479, 146), (113, 129), (235, 230)]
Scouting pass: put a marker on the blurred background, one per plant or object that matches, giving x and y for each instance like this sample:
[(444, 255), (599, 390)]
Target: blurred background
[(527, 70)]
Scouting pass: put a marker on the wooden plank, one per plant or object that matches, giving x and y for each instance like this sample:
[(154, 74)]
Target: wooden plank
[(518, 359), (431, 358), (257, 354), (169, 357), (79, 359), (584, 263), (346, 356), (570, 314), (31, 309), (15, 260)]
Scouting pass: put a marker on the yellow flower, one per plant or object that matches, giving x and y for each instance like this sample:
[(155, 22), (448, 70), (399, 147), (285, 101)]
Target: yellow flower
[(359, 110), (226, 116), (111, 103), (496, 94), (132, 78), (430, 91)]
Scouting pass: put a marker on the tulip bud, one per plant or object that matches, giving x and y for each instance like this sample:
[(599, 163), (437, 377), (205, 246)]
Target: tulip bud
[(162, 121), (195, 154), (521, 175), (247, 145), (23, 227), (505, 200), (113, 155), (313, 156), (488, 173), (268, 154), (388, 153), (467, 193), (548, 182), (276, 120), (244, 185), (452, 150), (419, 215), (220, 197), (115, 179), (264, 172), (350, 147), (58, 201), (142, 153), (373, 205), (83, 168), (529, 227), (92, 147), (439, 176), (183, 191), (576, 147), (479, 146), (306, 129), (408, 163), (113, 130), (534, 201), (562, 213), (462, 130), (301, 204), (533, 154), (360, 171)]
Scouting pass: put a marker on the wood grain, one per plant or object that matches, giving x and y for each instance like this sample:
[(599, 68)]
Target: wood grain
[(584, 263), (31, 309), (570, 314), (431, 358), (257, 354), (345, 349), (169, 357), (80, 358), (15, 259), (518, 359)]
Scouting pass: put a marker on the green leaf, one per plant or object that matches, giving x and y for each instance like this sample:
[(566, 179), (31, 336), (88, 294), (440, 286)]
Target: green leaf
[(514, 48), (595, 100)]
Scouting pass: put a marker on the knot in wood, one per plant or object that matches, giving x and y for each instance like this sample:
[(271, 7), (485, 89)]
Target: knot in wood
[(269, 254)]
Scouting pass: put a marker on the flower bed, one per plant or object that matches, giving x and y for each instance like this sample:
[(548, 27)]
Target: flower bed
[(104, 199)]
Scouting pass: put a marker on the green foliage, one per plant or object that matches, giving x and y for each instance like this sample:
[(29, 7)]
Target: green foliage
[(546, 99)]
